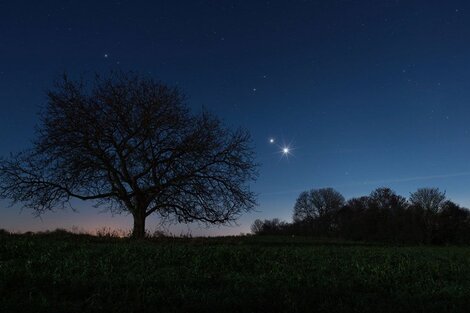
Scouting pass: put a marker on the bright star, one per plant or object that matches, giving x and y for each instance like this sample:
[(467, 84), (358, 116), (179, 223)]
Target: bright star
[(271, 140), (286, 150)]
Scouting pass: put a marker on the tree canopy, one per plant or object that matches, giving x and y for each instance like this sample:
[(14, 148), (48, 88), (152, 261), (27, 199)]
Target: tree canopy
[(317, 203), (429, 199)]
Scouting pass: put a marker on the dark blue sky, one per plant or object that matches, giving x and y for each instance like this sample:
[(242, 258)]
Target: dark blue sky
[(368, 93)]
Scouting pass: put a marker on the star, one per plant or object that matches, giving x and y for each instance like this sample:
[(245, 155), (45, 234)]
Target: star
[(271, 140), (285, 149), (285, 152), (105, 55), (254, 89)]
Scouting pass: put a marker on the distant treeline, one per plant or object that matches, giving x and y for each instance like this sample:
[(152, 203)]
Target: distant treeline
[(427, 216)]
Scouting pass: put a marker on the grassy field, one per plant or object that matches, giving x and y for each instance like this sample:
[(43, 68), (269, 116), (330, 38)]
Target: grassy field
[(70, 273)]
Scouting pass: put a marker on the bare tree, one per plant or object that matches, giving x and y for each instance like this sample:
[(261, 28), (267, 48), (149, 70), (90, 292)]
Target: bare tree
[(303, 208), (317, 203), (386, 199), (257, 227), (131, 144), (429, 199)]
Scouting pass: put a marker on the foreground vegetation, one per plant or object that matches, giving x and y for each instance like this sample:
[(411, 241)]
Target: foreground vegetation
[(60, 272)]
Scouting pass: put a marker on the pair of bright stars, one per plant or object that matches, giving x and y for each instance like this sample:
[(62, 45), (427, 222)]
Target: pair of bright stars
[(285, 150)]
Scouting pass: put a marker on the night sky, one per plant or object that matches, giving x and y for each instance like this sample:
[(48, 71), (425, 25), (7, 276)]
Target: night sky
[(364, 93)]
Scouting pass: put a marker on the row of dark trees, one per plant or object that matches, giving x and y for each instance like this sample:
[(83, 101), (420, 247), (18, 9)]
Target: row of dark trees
[(427, 216)]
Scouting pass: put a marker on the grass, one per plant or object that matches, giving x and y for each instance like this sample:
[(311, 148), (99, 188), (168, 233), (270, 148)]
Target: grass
[(61, 272)]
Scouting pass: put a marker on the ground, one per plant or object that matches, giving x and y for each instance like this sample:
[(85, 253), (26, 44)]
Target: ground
[(70, 273)]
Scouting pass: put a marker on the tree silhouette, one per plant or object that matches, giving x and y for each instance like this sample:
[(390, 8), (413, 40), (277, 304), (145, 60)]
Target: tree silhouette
[(257, 226), (317, 203), (131, 144), (315, 211), (384, 216), (386, 199), (429, 199)]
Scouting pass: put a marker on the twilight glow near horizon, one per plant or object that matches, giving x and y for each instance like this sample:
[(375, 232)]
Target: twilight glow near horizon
[(352, 95)]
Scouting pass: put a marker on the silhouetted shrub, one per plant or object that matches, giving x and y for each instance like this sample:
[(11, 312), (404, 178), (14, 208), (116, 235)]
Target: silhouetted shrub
[(270, 227)]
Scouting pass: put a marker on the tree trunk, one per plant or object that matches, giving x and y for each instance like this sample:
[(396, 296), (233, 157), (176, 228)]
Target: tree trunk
[(139, 225)]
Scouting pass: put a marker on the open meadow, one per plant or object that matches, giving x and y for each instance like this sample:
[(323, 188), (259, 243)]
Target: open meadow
[(61, 272)]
